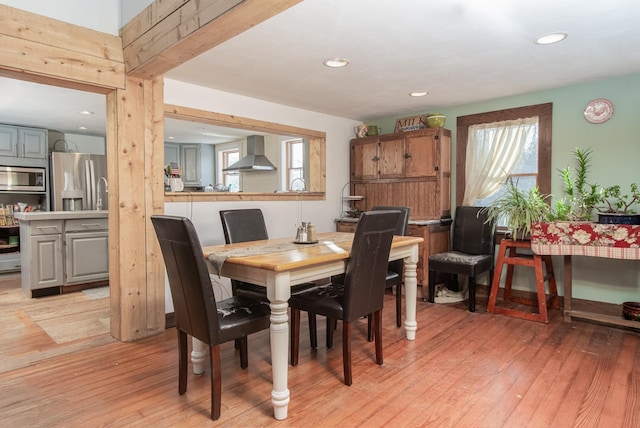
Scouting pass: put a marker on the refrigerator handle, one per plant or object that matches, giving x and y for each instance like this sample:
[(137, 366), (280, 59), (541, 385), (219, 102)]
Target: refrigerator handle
[(92, 183), (87, 187)]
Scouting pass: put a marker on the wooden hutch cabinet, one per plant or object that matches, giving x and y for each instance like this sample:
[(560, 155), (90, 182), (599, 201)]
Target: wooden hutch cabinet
[(406, 169)]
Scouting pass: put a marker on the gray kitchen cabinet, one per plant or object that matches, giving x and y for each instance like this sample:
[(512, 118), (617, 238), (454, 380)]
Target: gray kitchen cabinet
[(190, 158), (86, 243), (62, 248), (21, 142), (171, 153), (41, 255), (196, 162)]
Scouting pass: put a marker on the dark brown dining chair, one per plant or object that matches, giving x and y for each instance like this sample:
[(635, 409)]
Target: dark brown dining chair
[(362, 292), (394, 274), (196, 311), (244, 225), (471, 254)]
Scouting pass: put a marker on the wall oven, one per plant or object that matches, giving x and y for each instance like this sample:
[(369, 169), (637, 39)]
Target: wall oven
[(22, 179)]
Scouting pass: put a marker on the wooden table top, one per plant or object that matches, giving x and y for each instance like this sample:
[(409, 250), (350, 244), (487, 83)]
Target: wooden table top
[(332, 246)]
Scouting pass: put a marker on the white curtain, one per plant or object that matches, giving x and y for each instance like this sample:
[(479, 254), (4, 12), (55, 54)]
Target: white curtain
[(493, 150)]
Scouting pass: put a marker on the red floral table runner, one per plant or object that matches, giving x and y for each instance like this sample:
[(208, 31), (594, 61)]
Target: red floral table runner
[(618, 241)]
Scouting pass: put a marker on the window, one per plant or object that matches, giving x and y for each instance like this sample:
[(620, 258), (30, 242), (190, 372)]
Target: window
[(533, 166), (295, 165), (226, 158)]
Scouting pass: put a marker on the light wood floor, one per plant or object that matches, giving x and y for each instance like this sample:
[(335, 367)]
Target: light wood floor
[(464, 370)]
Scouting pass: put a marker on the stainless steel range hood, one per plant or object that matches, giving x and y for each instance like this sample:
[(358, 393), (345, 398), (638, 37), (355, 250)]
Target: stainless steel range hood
[(255, 160)]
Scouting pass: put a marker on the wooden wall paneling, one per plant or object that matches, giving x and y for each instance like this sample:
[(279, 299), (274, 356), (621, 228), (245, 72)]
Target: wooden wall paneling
[(317, 165), (154, 201), (157, 43), (35, 45), (132, 161)]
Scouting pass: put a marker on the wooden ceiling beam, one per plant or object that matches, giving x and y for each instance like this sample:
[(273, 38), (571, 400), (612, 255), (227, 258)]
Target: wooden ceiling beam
[(171, 32)]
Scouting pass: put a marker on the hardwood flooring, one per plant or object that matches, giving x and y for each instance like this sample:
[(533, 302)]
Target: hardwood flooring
[(463, 370)]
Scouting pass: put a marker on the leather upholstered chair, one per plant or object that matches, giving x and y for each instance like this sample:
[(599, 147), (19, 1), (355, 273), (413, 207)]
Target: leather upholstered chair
[(394, 273), (362, 292), (196, 310), (243, 225), (472, 251)]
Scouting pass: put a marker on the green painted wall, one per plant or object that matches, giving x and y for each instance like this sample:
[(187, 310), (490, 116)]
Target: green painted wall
[(616, 160)]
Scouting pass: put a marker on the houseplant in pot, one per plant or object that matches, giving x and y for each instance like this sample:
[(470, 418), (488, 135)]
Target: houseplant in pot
[(616, 208), (519, 208), (581, 197)]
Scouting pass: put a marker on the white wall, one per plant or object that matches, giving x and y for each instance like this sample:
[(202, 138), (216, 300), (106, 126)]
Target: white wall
[(281, 217), (99, 15)]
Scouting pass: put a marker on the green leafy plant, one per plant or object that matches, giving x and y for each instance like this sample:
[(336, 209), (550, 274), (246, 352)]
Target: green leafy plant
[(616, 202), (519, 209), (582, 197)]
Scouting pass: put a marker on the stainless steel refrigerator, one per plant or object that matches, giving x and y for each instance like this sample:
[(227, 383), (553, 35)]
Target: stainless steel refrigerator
[(78, 181)]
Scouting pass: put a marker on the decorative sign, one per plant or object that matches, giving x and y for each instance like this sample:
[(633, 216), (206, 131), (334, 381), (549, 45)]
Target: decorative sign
[(411, 123)]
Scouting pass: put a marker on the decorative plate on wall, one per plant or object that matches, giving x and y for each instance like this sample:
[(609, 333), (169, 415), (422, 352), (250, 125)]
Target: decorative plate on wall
[(598, 111)]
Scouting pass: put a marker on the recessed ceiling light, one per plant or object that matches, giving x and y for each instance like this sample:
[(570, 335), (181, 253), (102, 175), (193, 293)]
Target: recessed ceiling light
[(82, 127), (336, 62), (550, 38), (86, 112), (171, 137), (419, 93)]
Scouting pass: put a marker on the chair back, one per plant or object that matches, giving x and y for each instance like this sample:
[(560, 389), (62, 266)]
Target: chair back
[(365, 277), (472, 233), (403, 220), (191, 291), (243, 225), (397, 266)]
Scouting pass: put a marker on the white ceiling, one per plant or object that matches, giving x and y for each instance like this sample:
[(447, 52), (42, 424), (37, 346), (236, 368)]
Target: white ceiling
[(460, 51)]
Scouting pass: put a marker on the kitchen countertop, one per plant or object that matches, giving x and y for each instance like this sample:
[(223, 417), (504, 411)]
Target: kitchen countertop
[(60, 215), (416, 222)]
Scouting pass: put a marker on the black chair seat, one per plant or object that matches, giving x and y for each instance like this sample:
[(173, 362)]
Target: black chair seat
[(241, 314), (326, 297), (461, 263)]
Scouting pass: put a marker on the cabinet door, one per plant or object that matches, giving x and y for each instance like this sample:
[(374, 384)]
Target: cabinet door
[(420, 160), (171, 153), (8, 141), (87, 257), (392, 154), (190, 157), (32, 143), (46, 261), (364, 159)]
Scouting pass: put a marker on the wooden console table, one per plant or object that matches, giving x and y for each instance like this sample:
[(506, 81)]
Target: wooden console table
[(586, 239)]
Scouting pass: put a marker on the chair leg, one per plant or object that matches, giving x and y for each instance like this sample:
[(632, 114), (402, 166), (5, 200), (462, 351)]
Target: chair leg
[(369, 328), (346, 352), (331, 325), (295, 336), (399, 305), (183, 362), (472, 294), (432, 286), (244, 354), (313, 333), (216, 381), (377, 322)]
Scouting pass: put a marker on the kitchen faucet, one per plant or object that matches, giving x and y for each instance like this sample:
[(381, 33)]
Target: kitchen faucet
[(106, 190)]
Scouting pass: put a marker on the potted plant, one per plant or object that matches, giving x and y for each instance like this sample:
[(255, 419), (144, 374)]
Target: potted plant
[(617, 208), (519, 208), (582, 197)]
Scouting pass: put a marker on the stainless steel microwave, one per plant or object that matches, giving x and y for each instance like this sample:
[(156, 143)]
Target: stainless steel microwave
[(22, 179)]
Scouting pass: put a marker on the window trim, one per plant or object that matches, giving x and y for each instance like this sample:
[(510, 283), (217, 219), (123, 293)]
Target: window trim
[(544, 113), (288, 149)]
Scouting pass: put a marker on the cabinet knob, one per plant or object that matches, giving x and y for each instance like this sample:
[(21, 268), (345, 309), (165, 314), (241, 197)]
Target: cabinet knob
[(375, 158), (407, 155)]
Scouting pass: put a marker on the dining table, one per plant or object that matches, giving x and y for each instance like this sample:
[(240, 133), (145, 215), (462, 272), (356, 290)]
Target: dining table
[(278, 264)]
